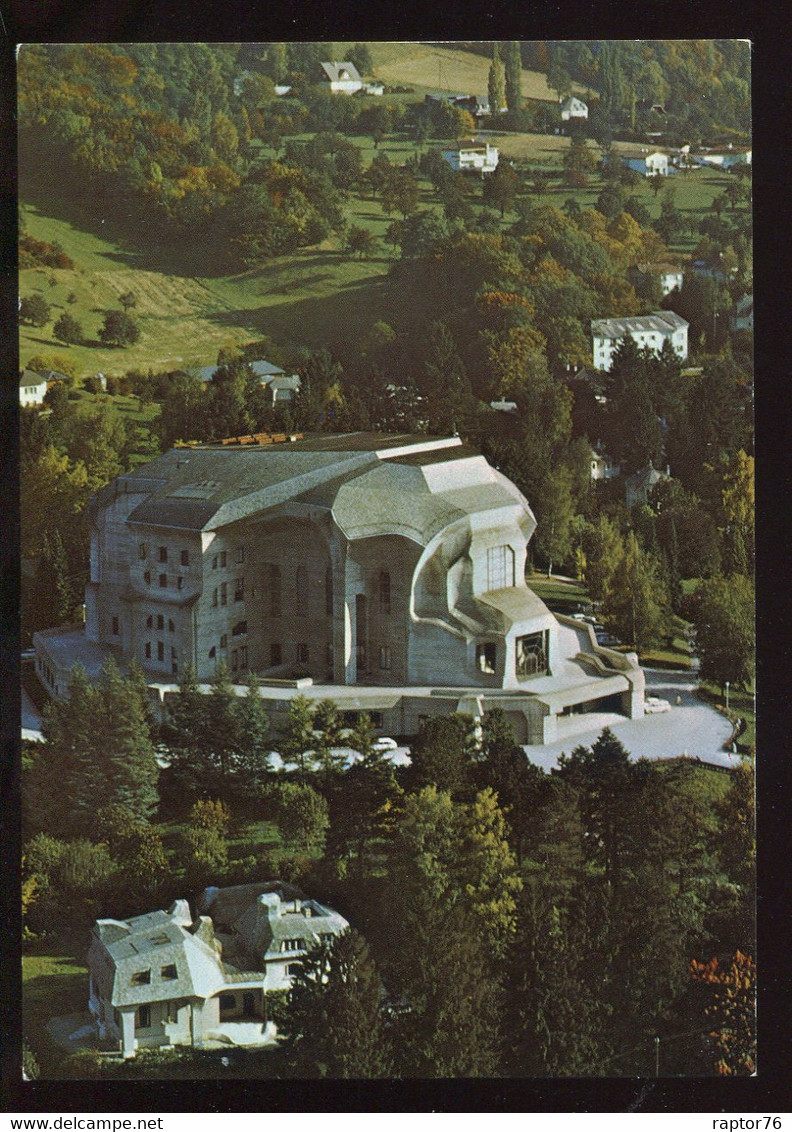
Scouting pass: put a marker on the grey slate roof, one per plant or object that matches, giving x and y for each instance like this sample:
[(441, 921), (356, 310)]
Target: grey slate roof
[(424, 485), (664, 321), (341, 72)]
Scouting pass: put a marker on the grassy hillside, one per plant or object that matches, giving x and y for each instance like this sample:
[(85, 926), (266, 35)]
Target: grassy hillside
[(422, 65), (316, 297)]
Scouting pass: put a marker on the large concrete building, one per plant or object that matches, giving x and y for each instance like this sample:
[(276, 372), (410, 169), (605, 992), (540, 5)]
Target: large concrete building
[(385, 572)]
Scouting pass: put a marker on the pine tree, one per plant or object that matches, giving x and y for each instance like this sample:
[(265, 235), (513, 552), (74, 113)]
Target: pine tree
[(336, 1025), (496, 86)]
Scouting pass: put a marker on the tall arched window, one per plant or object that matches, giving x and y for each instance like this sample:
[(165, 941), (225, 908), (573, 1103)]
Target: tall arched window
[(384, 585), (500, 567)]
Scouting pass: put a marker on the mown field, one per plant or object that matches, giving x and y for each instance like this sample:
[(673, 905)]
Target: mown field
[(316, 297), (428, 67)]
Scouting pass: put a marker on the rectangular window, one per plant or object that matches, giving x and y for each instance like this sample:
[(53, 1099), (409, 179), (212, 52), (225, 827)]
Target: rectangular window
[(239, 629), (115, 627), (160, 622), (148, 650), (223, 557), (214, 596), (223, 594), (163, 581), (384, 592), (173, 653), (385, 657), (292, 945), (172, 1009), (239, 589), (240, 554), (174, 668), (224, 641), (212, 652), (485, 657), (169, 971), (500, 567), (276, 654), (275, 591), (143, 550), (302, 654), (185, 558), (214, 563), (293, 969), (180, 583), (141, 978), (143, 1021), (329, 591), (171, 626), (227, 1002), (160, 651), (147, 577), (163, 554)]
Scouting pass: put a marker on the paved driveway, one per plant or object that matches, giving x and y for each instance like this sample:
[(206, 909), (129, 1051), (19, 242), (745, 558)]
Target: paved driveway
[(691, 727)]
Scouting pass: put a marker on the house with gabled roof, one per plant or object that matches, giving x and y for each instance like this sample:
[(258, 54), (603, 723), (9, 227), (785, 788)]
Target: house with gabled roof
[(168, 978), (573, 107), (32, 387), (341, 78)]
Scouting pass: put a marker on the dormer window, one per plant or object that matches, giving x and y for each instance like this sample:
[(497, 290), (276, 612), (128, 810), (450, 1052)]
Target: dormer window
[(292, 945)]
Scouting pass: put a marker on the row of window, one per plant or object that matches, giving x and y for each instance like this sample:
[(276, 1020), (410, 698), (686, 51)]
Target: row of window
[(162, 554), (160, 651), (163, 580), (220, 593), (142, 978), (531, 655), (160, 620), (221, 560)]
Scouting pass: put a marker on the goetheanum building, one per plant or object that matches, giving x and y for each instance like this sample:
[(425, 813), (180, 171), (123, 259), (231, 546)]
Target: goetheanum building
[(385, 572)]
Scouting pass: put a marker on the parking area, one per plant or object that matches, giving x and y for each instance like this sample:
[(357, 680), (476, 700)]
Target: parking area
[(690, 727)]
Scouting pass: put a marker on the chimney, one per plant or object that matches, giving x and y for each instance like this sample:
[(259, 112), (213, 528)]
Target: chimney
[(268, 906)]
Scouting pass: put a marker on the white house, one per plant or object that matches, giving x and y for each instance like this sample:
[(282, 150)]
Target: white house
[(646, 330), (386, 573), (601, 467), (168, 978), (573, 108), (670, 276), (342, 78), (32, 387), (472, 158), (655, 164)]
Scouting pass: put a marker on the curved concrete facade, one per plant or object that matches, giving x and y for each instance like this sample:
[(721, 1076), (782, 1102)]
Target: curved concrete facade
[(393, 566)]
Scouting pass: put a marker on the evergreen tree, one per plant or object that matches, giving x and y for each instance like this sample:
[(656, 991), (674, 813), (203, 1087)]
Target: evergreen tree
[(496, 84), (636, 602), (443, 752), (513, 75), (336, 1024), (724, 620)]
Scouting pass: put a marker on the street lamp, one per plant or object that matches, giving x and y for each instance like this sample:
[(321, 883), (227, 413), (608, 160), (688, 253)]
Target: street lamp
[(727, 697)]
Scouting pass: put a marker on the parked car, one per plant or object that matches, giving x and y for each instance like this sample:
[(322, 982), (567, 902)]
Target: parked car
[(384, 743), (654, 704)]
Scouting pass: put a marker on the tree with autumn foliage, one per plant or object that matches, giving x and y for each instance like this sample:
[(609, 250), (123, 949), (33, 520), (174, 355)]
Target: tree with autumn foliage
[(732, 1012)]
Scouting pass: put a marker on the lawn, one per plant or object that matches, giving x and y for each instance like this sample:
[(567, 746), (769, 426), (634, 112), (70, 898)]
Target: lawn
[(742, 704), (562, 594), (54, 983)]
